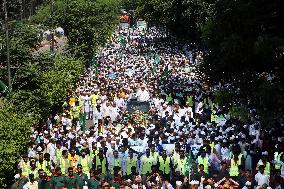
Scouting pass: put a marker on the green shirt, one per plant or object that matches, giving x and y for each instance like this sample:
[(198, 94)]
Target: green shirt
[(71, 182), (57, 181), (112, 183), (81, 179), (43, 184), (22, 181), (93, 183)]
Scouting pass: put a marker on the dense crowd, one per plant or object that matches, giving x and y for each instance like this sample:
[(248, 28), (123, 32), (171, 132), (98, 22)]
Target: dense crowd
[(175, 136)]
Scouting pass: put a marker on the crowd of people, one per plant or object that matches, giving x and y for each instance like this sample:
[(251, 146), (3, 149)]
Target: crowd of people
[(179, 139)]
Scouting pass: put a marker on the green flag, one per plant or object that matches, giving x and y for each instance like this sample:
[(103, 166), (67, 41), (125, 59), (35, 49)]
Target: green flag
[(165, 73), (3, 87)]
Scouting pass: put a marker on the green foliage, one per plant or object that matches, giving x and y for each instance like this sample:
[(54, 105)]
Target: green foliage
[(56, 81), (22, 39), (184, 17), (223, 97), (239, 112), (15, 132), (87, 23), (40, 82)]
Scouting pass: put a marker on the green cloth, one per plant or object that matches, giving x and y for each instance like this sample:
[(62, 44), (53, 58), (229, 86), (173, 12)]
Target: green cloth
[(81, 179), (166, 73), (169, 98), (189, 163), (3, 87), (93, 183), (57, 181), (82, 121), (112, 183), (189, 100), (71, 182), (22, 181)]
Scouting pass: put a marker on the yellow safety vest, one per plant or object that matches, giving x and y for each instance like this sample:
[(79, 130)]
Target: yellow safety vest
[(59, 153), (45, 165), (277, 157), (164, 165), (39, 165), (34, 172), (94, 99), (146, 165), (234, 169), (267, 169), (25, 168), (116, 162), (204, 162), (93, 153), (154, 157), (101, 163), (240, 159), (85, 164), (175, 157), (62, 165), (130, 163), (181, 166)]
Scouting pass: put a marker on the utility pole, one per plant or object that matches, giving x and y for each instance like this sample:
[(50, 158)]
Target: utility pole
[(52, 27), (7, 45)]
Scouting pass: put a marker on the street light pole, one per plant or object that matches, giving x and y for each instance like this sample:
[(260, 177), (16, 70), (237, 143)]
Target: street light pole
[(7, 45)]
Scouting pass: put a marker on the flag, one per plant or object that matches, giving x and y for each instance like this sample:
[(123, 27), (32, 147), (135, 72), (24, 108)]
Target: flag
[(3, 87), (166, 73)]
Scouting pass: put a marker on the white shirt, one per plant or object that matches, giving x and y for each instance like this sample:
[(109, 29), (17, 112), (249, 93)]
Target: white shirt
[(261, 179), (51, 150), (143, 96), (30, 185)]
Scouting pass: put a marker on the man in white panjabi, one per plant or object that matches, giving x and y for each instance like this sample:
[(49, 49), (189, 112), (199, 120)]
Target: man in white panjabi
[(143, 95)]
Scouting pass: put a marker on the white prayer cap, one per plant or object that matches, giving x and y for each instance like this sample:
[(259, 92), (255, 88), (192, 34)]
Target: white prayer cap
[(17, 176), (45, 132), (207, 187), (71, 136), (178, 183), (265, 153), (35, 132), (80, 132), (68, 128), (41, 138), (194, 182), (55, 129), (39, 149), (248, 183)]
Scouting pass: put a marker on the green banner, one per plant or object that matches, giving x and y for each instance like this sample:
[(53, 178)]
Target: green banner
[(3, 88)]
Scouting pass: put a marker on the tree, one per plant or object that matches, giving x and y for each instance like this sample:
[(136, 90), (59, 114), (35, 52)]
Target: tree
[(87, 24), (15, 133), (245, 41)]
